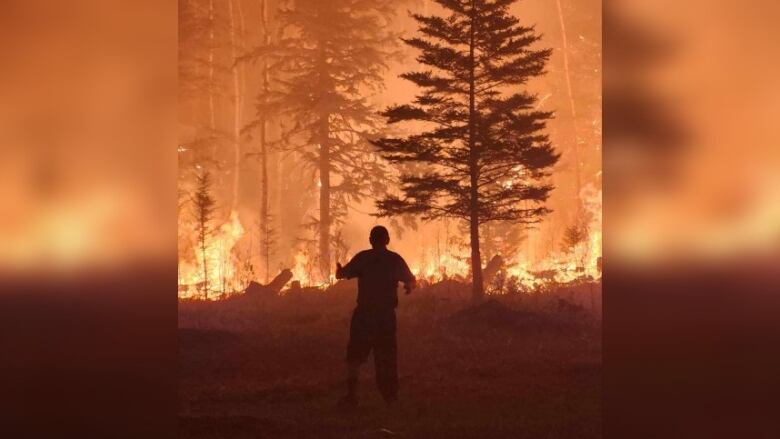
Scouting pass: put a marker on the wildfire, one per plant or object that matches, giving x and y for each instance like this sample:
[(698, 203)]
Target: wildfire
[(221, 262), (582, 261), (301, 269), (434, 268), (225, 275), (306, 271)]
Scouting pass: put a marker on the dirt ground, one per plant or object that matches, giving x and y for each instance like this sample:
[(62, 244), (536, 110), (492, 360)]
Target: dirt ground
[(516, 366)]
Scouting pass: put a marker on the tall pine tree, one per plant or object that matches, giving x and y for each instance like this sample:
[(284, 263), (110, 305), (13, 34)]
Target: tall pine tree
[(486, 156), (329, 59)]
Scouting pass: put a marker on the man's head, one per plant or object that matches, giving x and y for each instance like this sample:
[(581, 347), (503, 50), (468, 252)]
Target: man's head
[(379, 237)]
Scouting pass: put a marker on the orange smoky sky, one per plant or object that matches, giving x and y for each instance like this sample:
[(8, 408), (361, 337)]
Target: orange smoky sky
[(88, 116)]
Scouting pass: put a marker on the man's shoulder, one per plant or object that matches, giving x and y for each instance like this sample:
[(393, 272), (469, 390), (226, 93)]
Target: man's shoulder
[(384, 253), (396, 255), (362, 253)]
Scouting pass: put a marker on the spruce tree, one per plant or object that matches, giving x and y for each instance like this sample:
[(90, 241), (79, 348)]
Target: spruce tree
[(328, 60), (204, 205), (486, 156)]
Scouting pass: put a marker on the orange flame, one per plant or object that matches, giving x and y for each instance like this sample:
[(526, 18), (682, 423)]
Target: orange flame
[(222, 264), (224, 276)]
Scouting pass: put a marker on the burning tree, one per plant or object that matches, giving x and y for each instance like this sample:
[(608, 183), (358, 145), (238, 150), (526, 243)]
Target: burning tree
[(486, 156), (329, 58), (204, 211)]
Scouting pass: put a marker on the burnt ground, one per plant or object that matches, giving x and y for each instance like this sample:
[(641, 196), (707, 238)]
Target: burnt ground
[(520, 366)]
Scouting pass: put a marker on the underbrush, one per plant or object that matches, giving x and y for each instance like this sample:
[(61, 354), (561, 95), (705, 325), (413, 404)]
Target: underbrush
[(514, 365)]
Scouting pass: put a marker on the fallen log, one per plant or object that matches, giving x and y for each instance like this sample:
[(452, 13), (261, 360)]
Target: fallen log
[(280, 280), (273, 288)]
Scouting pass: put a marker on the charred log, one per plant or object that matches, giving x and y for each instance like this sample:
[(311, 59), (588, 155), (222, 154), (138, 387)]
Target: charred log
[(273, 288)]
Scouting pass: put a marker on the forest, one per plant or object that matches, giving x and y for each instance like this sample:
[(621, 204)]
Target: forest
[(471, 129), (292, 119)]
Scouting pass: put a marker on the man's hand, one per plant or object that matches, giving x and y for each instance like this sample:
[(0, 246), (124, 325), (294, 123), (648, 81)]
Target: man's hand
[(409, 286), (339, 269)]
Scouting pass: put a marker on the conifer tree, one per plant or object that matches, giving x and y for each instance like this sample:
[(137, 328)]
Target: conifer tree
[(204, 204), (486, 156), (327, 62)]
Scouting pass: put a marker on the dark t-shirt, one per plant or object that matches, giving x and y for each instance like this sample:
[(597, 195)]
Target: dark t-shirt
[(378, 272)]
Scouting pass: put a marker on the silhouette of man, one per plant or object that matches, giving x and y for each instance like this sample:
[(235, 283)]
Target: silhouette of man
[(373, 322)]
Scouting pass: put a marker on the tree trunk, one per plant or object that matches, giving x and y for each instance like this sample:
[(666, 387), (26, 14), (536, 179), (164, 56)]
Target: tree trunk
[(235, 34), (576, 149), (265, 227), (202, 236), (279, 162), (280, 165), (477, 288), (324, 166), (212, 121)]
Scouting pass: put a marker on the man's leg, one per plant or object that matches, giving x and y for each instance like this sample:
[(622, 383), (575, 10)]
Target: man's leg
[(385, 360), (353, 374), (358, 349)]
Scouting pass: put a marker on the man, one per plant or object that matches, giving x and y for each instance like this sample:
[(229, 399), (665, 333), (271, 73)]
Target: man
[(373, 323)]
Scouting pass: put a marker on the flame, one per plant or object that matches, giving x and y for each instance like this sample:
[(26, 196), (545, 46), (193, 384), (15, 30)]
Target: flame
[(306, 272), (592, 201), (299, 270), (223, 272), (434, 268), (583, 261)]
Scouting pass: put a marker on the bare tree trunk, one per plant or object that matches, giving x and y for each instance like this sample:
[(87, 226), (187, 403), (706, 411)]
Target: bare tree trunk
[(202, 236), (282, 177), (235, 34), (265, 226), (212, 121), (576, 150), (477, 289), (212, 126), (324, 167), (205, 270)]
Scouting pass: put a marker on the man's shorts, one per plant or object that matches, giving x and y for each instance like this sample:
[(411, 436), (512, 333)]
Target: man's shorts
[(371, 330)]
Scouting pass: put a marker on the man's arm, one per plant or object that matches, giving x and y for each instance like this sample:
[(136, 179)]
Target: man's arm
[(352, 269), (406, 276)]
